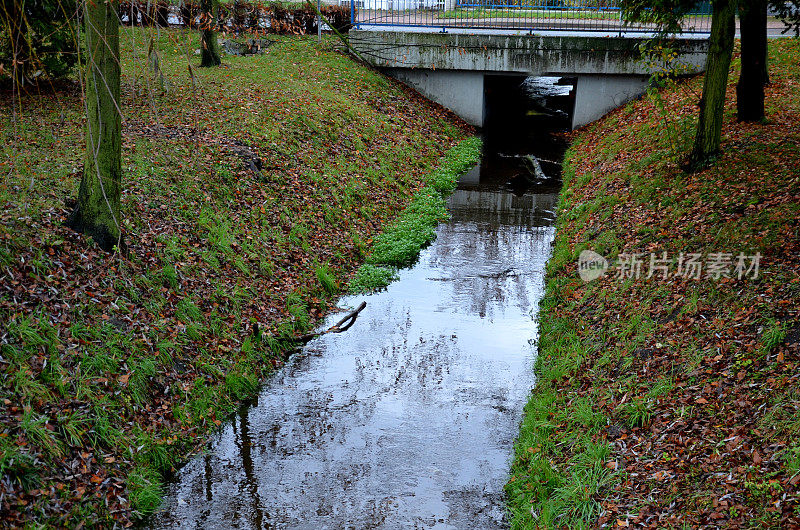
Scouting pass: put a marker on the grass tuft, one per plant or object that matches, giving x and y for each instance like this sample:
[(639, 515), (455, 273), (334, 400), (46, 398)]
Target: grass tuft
[(144, 489), (371, 278), (326, 279)]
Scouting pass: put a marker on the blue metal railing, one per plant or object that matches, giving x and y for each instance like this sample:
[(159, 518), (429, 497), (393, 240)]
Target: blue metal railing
[(546, 4), (528, 15)]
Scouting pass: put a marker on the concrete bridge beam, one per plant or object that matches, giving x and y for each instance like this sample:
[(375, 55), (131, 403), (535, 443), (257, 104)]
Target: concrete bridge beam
[(522, 54)]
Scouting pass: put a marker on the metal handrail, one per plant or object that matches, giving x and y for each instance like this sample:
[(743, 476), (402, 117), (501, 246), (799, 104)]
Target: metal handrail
[(527, 15)]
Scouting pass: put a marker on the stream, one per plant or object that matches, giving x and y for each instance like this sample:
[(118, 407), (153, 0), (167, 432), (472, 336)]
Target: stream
[(408, 419)]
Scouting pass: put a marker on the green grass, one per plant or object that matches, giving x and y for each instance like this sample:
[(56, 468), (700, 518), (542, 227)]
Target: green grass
[(17, 465), (369, 278), (326, 279), (400, 243), (774, 334), (145, 489)]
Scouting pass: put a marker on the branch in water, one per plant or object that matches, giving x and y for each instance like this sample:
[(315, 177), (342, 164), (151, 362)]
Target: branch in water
[(343, 325)]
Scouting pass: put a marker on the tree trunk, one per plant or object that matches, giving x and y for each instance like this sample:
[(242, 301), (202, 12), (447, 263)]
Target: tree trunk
[(97, 213), (750, 90), (712, 103), (209, 47)]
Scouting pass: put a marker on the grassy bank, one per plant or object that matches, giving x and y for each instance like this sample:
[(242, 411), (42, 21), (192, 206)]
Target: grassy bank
[(671, 401), (252, 191)]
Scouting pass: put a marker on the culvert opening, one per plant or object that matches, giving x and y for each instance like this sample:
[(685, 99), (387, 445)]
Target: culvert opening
[(525, 121)]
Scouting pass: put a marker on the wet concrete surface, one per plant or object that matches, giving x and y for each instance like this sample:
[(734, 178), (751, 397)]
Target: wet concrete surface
[(408, 419)]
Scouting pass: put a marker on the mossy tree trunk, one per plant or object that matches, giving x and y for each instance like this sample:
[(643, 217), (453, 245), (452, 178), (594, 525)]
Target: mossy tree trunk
[(209, 47), (97, 212), (754, 75), (712, 102)]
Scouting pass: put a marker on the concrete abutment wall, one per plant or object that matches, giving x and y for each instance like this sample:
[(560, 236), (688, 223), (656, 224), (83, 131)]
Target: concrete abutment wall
[(597, 95), (461, 91)]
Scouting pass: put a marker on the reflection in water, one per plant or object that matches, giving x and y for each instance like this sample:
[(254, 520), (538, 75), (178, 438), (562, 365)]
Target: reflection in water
[(408, 419)]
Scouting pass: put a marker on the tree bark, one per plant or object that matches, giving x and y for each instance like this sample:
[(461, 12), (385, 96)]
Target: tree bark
[(754, 75), (712, 102), (97, 212), (209, 47)]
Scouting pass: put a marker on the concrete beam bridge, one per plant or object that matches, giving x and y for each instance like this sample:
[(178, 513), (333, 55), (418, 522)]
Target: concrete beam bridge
[(449, 64)]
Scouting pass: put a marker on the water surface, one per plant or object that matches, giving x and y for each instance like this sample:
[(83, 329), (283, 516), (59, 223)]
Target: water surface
[(408, 419)]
